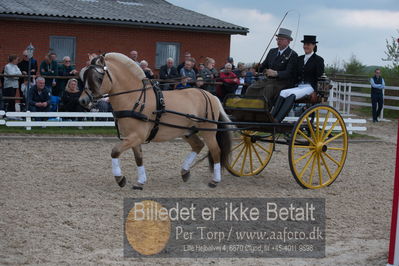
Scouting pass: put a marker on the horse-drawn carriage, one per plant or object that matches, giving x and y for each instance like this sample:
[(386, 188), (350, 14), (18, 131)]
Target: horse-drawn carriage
[(317, 141)]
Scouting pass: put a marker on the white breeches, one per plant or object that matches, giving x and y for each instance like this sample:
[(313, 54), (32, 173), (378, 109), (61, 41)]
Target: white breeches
[(301, 91)]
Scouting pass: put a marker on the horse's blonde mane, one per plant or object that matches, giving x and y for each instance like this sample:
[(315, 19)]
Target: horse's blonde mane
[(127, 62)]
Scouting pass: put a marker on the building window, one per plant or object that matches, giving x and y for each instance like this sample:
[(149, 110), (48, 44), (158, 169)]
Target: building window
[(166, 50), (63, 46)]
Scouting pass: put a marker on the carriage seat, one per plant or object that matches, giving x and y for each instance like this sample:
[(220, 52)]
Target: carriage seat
[(313, 98)]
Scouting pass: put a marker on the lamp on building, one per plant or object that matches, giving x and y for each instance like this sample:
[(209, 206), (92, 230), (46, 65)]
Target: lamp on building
[(30, 49)]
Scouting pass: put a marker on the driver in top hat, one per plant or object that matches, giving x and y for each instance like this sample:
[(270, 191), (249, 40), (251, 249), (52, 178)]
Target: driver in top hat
[(280, 67)]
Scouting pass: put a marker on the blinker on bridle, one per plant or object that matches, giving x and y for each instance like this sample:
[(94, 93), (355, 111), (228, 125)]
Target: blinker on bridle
[(102, 70)]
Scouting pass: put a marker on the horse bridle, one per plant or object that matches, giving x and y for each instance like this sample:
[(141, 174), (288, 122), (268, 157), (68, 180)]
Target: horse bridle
[(103, 70)]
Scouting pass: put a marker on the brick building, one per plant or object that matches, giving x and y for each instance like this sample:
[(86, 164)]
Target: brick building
[(155, 28)]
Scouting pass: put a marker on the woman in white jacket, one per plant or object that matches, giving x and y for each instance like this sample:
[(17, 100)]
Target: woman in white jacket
[(11, 83)]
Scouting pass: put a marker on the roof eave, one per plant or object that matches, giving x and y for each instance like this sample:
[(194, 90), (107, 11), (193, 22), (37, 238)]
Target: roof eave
[(230, 31)]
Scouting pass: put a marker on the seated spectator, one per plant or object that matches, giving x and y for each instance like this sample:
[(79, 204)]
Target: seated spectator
[(65, 70), (134, 55), (188, 71), (24, 87), (201, 67), (239, 69), (49, 67), (231, 61), (209, 74), (103, 105), (11, 84), (184, 84), (39, 96), (147, 71), (199, 83), (168, 71), (70, 98), (229, 80), (187, 56)]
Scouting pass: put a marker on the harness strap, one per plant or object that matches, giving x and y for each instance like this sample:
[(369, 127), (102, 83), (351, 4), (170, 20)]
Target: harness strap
[(158, 113)]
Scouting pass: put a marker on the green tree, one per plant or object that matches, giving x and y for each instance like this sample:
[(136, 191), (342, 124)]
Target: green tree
[(392, 53), (354, 66)]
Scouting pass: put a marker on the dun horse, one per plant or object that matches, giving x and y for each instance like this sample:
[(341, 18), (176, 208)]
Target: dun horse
[(140, 119)]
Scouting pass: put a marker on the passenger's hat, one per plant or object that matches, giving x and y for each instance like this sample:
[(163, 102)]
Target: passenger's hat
[(309, 39), (284, 33)]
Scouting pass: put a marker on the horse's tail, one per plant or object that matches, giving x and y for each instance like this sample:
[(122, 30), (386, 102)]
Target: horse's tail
[(223, 137)]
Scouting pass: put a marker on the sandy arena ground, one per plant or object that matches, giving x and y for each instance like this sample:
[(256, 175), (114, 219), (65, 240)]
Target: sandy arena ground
[(60, 204)]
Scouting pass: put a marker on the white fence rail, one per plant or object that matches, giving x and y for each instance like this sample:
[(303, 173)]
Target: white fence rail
[(341, 97), (58, 119)]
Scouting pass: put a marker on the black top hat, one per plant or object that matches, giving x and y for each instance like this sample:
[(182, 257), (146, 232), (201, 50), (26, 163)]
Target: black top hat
[(309, 39)]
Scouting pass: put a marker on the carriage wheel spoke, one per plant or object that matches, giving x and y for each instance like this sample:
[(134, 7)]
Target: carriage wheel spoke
[(329, 131), (306, 165), (311, 128), (250, 159), (332, 159), (324, 125), (257, 155), (303, 157), (243, 160), (306, 137), (326, 166), (333, 138), (336, 149), (317, 124), (238, 156), (236, 147), (260, 146), (319, 170), (312, 170), (303, 147)]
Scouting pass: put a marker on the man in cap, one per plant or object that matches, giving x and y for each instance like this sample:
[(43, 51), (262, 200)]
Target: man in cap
[(280, 68)]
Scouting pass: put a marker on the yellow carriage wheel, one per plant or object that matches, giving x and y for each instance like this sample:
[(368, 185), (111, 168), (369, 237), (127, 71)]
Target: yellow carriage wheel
[(250, 154), (318, 147)]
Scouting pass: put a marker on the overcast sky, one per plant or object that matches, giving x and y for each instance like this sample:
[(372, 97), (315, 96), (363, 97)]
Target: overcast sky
[(343, 27)]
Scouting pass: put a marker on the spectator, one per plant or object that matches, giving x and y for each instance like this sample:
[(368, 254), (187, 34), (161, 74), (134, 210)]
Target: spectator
[(187, 56), (377, 98), (201, 67), (168, 71), (187, 70), (231, 61), (24, 66), (24, 87), (134, 55), (48, 67), (183, 84), (11, 83), (65, 70), (199, 83), (239, 69), (104, 105), (229, 80), (147, 71), (70, 98), (39, 96), (209, 73)]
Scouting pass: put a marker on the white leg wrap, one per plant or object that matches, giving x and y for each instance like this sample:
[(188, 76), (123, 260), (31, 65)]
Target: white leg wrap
[(142, 178), (116, 168), (217, 173), (188, 162)]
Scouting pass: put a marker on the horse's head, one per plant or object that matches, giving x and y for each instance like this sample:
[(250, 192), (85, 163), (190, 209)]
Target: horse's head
[(92, 77)]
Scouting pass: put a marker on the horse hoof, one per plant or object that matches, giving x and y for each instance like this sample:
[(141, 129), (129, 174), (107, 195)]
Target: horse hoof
[(213, 184), (138, 187), (121, 180), (185, 176)]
